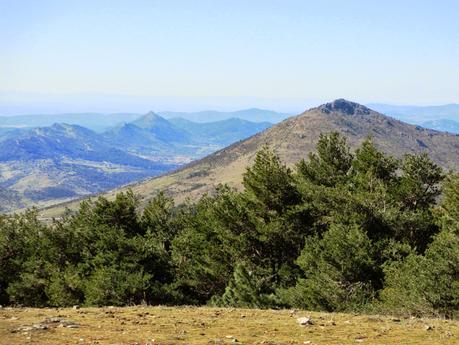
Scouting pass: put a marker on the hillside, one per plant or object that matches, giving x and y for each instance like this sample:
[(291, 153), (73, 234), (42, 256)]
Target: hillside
[(293, 139)]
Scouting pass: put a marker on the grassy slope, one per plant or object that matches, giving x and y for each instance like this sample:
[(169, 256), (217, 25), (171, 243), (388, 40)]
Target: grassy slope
[(187, 325)]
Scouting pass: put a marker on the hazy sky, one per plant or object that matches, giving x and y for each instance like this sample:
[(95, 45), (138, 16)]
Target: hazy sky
[(178, 55)]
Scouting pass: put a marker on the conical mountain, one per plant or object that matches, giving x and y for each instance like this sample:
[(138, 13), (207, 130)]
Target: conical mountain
[(295, 137), (161, 128)]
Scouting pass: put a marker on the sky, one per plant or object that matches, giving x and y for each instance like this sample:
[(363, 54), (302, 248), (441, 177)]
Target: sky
[(285, 55)]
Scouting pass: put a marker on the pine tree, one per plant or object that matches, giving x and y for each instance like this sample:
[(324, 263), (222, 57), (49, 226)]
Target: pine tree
[(331, 164), (270, 183)]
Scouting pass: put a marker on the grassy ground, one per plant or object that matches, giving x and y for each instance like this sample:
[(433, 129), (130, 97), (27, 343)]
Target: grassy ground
[(187, 325)]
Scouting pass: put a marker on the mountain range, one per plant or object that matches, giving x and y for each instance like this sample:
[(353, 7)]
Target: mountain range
[(440, 117), (103, 122), (293, 139), (46, 165), (252, 114)]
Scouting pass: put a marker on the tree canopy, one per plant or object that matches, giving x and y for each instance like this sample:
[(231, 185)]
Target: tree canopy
[(339, 231)]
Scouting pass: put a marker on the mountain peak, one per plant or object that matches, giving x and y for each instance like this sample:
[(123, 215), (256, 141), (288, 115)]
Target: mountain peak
[(149, 120), (345, 107)]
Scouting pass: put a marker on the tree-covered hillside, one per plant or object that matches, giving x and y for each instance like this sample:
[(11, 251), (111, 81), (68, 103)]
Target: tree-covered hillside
[(342, 231)]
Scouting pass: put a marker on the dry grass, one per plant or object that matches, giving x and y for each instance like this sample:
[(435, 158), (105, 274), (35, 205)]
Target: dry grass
[(188, 325)]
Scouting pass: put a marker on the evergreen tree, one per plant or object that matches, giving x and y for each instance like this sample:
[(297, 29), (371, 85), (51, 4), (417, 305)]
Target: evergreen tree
[(369, 160), (244, 290), (331, 164), (270, 182), (338, 271)]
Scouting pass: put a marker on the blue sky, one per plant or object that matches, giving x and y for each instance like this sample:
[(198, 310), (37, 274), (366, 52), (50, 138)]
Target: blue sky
[(188, 55)]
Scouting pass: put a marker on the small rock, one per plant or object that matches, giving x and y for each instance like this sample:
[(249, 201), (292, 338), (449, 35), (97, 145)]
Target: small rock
[(76, 307), (24, 329), (303, 321), (34, 327), (39, 326), (428, 328), (73, 325), (307, 342)]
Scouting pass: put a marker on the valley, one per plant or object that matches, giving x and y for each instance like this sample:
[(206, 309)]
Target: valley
[(47, 165)]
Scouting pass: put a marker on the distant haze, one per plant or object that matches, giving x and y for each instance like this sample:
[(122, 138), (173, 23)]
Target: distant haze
[(136, 56)]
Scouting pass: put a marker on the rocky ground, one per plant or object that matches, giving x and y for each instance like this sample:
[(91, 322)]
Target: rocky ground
[(189, 325)]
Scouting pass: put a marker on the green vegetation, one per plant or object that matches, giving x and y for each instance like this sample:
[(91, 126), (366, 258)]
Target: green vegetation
[(341, 231)]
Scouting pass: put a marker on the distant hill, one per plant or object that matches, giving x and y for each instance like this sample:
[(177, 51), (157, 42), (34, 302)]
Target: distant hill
[(293, 139), (150, 134), (419, 114), (443, 125), (153, 135), (252, 115), (221, 133), (162, 129)]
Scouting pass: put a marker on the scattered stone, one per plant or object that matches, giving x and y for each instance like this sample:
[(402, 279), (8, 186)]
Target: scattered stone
[(307, 342), (34, 327), (46, 324), (304, 321)]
